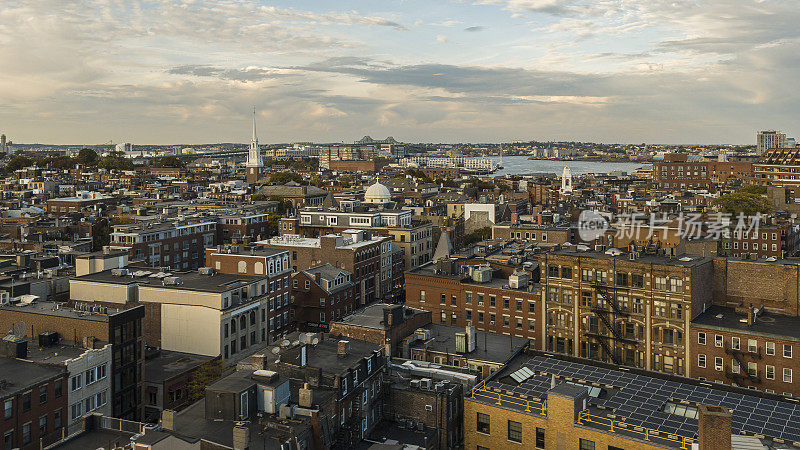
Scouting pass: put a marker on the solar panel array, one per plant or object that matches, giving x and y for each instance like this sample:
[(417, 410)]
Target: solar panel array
[(640, 399), (522, 374)]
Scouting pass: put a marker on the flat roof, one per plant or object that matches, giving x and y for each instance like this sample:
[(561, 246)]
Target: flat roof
[(680, 260), (57, 354), (190, 281), (168, 364), (57, 310), (638, 397), (20, 375), (371, 316), (491, 347), (720, 317)]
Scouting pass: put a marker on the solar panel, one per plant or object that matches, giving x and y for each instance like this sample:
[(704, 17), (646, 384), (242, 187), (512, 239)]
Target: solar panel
[(640, 399)]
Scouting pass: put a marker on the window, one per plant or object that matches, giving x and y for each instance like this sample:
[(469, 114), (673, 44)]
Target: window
[(770, 348), (701, 360), (8, 409), (718, 364), (752, 346), (787, 351), (42, 394), (26, 401), (637, 280), (701, 338), (26, 433), (770, 372), (735, 344), (76, 382), (483, 423), (514, 431), (539, 437), (57, 419), (421, 295), (586, 444), (752, 369), (787, 375), (717, 340), (660, 283), (566, 272)]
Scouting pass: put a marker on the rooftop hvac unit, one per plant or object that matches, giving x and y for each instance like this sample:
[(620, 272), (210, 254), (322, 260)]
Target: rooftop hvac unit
[(5, 298), (119, 272), (172, 281), (426, 383), (482, 274), (461, 342), (206, 271)]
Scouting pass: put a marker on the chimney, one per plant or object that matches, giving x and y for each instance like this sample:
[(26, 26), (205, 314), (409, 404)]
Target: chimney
[(241, 437), (306, 396), (751, 317), (514, 218), (714, 428), (343, 348), (168, 419)]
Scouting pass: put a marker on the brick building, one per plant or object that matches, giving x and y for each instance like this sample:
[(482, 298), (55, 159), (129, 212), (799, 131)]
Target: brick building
[(34, 400), (382, 324), (627, 309), (741, 347), (94, 327), (492, 301), (321, 294), (176, 244), (675, 172), (366, 256)]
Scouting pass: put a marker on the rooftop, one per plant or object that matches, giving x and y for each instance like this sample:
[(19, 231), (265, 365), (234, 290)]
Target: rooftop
[(765, 324), (168, 364), (491, 347), (638, 398), (371, 316), (680, 260), (19, 375), (189, 281), (57, 309)]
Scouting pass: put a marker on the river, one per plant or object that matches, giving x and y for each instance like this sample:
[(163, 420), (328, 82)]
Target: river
[(518, 165)]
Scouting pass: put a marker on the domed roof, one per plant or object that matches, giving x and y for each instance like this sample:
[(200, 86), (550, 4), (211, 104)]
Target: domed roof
[(377, 193)]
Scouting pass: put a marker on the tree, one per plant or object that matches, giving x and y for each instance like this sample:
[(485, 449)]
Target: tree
[(744, 203), (755, 189), (18, 162), (87, 157), (204, 375), (478, 235), (285, 177), (171, 161), (115, 161)]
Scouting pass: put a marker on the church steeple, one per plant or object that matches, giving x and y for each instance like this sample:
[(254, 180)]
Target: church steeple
[(254, 154), (255, 163)]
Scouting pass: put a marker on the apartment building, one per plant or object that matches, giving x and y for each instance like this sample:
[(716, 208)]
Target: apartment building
[(204, 312), (675, 172), (34, 401), (415, 238), (540, 234), (321, 294), (252, 224), (368, 257), (175, 244), (768, 241), (778, 167), (478, 294), (90, 327), (624, 308)]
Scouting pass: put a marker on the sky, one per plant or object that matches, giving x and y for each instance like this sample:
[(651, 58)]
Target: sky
[(190, 71)]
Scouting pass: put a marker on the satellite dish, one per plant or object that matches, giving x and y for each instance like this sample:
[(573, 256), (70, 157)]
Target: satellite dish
[(285, 343), (315, 341), (276, 350), (19, 329)]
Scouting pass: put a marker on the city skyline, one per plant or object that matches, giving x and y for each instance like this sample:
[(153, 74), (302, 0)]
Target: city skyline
[(469, 71)]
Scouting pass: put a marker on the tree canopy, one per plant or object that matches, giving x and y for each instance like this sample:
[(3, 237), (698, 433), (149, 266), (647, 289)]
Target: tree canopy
[(741, 202), (87, 156)]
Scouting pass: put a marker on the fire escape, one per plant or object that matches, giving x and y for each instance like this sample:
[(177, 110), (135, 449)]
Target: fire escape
[(739, 356), (608, 316)]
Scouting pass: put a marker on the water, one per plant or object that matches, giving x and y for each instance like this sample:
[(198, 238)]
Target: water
[(517, 165)]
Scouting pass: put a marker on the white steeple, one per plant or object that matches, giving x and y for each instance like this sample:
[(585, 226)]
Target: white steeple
[(566, 181), (254, 154)]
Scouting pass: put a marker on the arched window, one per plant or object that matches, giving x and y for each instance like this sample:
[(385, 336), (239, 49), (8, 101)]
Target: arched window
[(242, 266), (259, 268)]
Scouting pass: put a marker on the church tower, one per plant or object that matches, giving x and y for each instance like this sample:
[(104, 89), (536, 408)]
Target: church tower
[(255, 164), (566, 181)]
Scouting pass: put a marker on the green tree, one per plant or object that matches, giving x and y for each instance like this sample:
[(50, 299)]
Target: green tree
[(204, 375), (744, 203), (171, 161), (87, 156), (478, 235), (754, 189), (285, 177), (18, 162), (115, 161)]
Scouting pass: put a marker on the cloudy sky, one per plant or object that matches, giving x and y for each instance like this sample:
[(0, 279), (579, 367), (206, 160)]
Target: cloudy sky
[(190, 71)]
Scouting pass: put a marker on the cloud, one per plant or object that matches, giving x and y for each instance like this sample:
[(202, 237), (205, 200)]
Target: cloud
[(441, 38), (474, 29)]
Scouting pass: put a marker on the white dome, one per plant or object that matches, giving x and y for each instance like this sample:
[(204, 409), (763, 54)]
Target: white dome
[(377, 193)]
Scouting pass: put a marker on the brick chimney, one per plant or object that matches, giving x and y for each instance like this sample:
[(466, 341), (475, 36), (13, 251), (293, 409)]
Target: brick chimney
[(168, 419), (241, 437), (714, 427), (306, 396), (343, 347)]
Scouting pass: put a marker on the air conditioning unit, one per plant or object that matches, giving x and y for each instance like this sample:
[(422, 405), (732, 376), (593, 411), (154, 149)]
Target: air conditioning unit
[(5, 298)]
